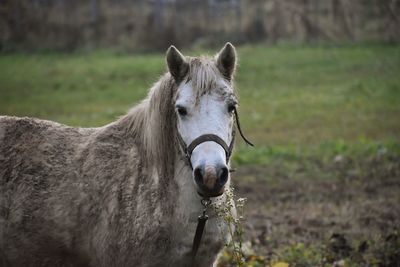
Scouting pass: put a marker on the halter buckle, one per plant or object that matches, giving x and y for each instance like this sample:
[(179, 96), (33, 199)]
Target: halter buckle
[(205, 202)]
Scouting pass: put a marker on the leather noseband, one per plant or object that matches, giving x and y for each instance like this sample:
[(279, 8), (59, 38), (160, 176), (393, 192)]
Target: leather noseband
[(214, 138)]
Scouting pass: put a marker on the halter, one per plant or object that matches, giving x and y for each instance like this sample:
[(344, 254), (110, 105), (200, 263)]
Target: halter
[(188, 150)]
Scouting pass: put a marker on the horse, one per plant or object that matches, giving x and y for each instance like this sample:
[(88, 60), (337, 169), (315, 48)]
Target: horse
[(127, 193)]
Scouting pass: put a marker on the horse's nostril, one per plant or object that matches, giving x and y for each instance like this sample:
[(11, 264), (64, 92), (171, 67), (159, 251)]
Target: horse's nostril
[(198, 175), (223, 175)]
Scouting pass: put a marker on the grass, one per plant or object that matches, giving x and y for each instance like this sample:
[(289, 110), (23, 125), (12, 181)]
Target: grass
[(309, 95), (290, 95), (325, 152), (80, 90)]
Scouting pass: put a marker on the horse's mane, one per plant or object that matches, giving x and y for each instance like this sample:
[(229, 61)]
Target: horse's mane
[(153, 121)]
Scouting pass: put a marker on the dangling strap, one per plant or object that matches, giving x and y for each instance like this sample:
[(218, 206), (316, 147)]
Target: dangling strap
[(240, 129)]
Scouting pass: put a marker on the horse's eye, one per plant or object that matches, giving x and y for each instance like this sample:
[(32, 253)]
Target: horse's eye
[(181, 110), (231, 108)]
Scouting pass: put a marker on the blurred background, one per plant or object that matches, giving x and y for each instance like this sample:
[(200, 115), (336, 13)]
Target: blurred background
[(319, 86), (155, 24)]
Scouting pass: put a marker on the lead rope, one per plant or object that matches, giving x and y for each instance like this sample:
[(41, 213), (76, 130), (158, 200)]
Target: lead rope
[(201, 223)]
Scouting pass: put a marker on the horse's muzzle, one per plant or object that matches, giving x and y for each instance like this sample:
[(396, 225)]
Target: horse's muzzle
[(211, 180)]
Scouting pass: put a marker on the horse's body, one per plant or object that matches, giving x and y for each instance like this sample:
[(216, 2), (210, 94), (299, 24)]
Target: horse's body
[(118, 195)]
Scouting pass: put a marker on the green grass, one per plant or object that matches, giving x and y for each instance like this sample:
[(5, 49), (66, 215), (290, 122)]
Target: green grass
[(325, 152), (290, 95), (308, 95), (80, 90)]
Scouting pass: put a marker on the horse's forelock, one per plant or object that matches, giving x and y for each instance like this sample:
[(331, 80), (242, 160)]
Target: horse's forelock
[(203, 75)]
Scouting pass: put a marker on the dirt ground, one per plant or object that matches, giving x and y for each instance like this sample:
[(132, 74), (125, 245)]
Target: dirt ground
[(345, 204)]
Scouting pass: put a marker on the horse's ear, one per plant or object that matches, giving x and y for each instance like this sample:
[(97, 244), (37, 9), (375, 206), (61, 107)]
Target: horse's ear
[(177, 65), (226, 61)]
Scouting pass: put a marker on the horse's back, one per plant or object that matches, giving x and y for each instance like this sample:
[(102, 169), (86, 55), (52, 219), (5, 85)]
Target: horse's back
[(31, 147), (35, 158)]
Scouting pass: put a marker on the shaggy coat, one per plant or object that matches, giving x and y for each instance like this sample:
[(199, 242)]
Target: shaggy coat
[(118, 195)]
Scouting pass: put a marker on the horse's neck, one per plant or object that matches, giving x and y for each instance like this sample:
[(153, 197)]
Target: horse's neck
[(189, 199), (187, 210)]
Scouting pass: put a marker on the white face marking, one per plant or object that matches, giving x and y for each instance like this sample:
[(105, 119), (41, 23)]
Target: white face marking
[(209, 116)]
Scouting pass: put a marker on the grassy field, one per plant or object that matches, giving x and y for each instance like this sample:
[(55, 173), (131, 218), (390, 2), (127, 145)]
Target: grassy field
[(289, 94), (325, 121)]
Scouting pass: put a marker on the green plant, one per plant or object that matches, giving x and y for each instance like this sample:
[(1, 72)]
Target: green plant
[(231, 212), (301, 255)]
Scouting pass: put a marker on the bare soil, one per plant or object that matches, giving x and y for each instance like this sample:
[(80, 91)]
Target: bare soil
[(313, 202)]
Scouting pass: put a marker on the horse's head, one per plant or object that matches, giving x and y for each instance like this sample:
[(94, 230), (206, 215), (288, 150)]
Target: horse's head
[(205, 105)]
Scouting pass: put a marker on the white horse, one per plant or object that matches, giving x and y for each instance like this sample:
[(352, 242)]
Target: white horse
[(128, 193)]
